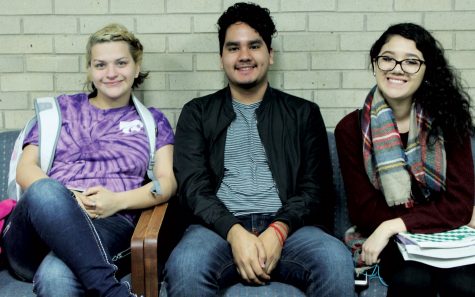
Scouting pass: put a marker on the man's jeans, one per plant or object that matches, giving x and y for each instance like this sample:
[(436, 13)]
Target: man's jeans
[(313, 261), (50, 239)]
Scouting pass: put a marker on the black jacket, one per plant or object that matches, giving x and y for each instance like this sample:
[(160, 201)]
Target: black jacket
[(295, 141)]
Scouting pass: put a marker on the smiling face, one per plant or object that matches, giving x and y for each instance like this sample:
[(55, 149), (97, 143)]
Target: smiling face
[(245, 59), (396, 85), (112, 71)]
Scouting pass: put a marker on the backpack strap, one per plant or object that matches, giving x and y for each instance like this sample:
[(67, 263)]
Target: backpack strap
[(151, 131), (48, 115), (14, 190)]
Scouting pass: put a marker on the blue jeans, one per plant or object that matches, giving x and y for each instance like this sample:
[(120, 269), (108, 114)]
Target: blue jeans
[(50, 239), (313, 261)]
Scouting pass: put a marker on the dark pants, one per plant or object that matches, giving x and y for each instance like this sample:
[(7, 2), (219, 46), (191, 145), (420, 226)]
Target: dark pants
[(410, 278)]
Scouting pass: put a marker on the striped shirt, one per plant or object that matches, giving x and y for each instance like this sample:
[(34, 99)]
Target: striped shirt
[(248, 186)]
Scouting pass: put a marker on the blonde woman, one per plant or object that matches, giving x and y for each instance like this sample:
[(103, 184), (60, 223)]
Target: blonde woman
[(68, 226)]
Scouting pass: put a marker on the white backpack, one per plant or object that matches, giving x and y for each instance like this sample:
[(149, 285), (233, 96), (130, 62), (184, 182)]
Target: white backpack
[(48, 116)]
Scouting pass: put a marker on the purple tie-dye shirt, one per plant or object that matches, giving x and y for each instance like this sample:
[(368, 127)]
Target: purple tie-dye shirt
[(98, 147)]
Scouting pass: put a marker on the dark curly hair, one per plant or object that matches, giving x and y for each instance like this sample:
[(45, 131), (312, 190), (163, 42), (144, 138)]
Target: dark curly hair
[(441, 93), (252, 14)]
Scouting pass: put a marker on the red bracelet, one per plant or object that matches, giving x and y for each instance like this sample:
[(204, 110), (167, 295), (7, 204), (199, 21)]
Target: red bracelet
[(284, 226), (279, 233)]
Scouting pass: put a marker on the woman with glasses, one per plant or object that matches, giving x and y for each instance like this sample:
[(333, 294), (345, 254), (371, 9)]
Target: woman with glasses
[(406, 160)]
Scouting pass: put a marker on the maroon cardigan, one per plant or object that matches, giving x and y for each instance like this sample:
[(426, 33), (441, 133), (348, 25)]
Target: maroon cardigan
[(367, 206)]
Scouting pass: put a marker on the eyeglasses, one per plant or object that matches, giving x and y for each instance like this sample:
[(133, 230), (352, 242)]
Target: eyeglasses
[(409, 66)]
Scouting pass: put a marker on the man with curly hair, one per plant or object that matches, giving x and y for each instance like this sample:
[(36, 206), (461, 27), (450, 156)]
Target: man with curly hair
[(253, 167)]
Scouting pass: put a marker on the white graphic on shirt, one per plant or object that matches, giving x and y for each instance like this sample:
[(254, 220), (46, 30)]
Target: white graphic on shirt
[(129, 127)]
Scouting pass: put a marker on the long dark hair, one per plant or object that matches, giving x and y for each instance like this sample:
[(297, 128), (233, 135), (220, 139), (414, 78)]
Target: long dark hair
[(441, 93)]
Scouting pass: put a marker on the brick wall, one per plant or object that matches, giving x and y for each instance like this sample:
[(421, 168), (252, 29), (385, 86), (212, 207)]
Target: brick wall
[(321, 48)]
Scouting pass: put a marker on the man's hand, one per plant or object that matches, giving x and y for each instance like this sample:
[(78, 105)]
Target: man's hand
[(272, 247), (249, 255)]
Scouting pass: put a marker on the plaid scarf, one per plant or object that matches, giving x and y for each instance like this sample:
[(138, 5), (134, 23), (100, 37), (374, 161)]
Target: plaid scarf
[(390, 166)]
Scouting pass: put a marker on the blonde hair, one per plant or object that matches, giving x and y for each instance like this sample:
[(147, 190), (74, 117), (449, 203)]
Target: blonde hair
[(116, 32)]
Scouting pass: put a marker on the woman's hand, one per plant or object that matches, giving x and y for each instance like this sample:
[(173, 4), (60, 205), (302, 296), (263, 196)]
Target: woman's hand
[(85, 203), (378, 240), (472, 221), (99, 202)]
